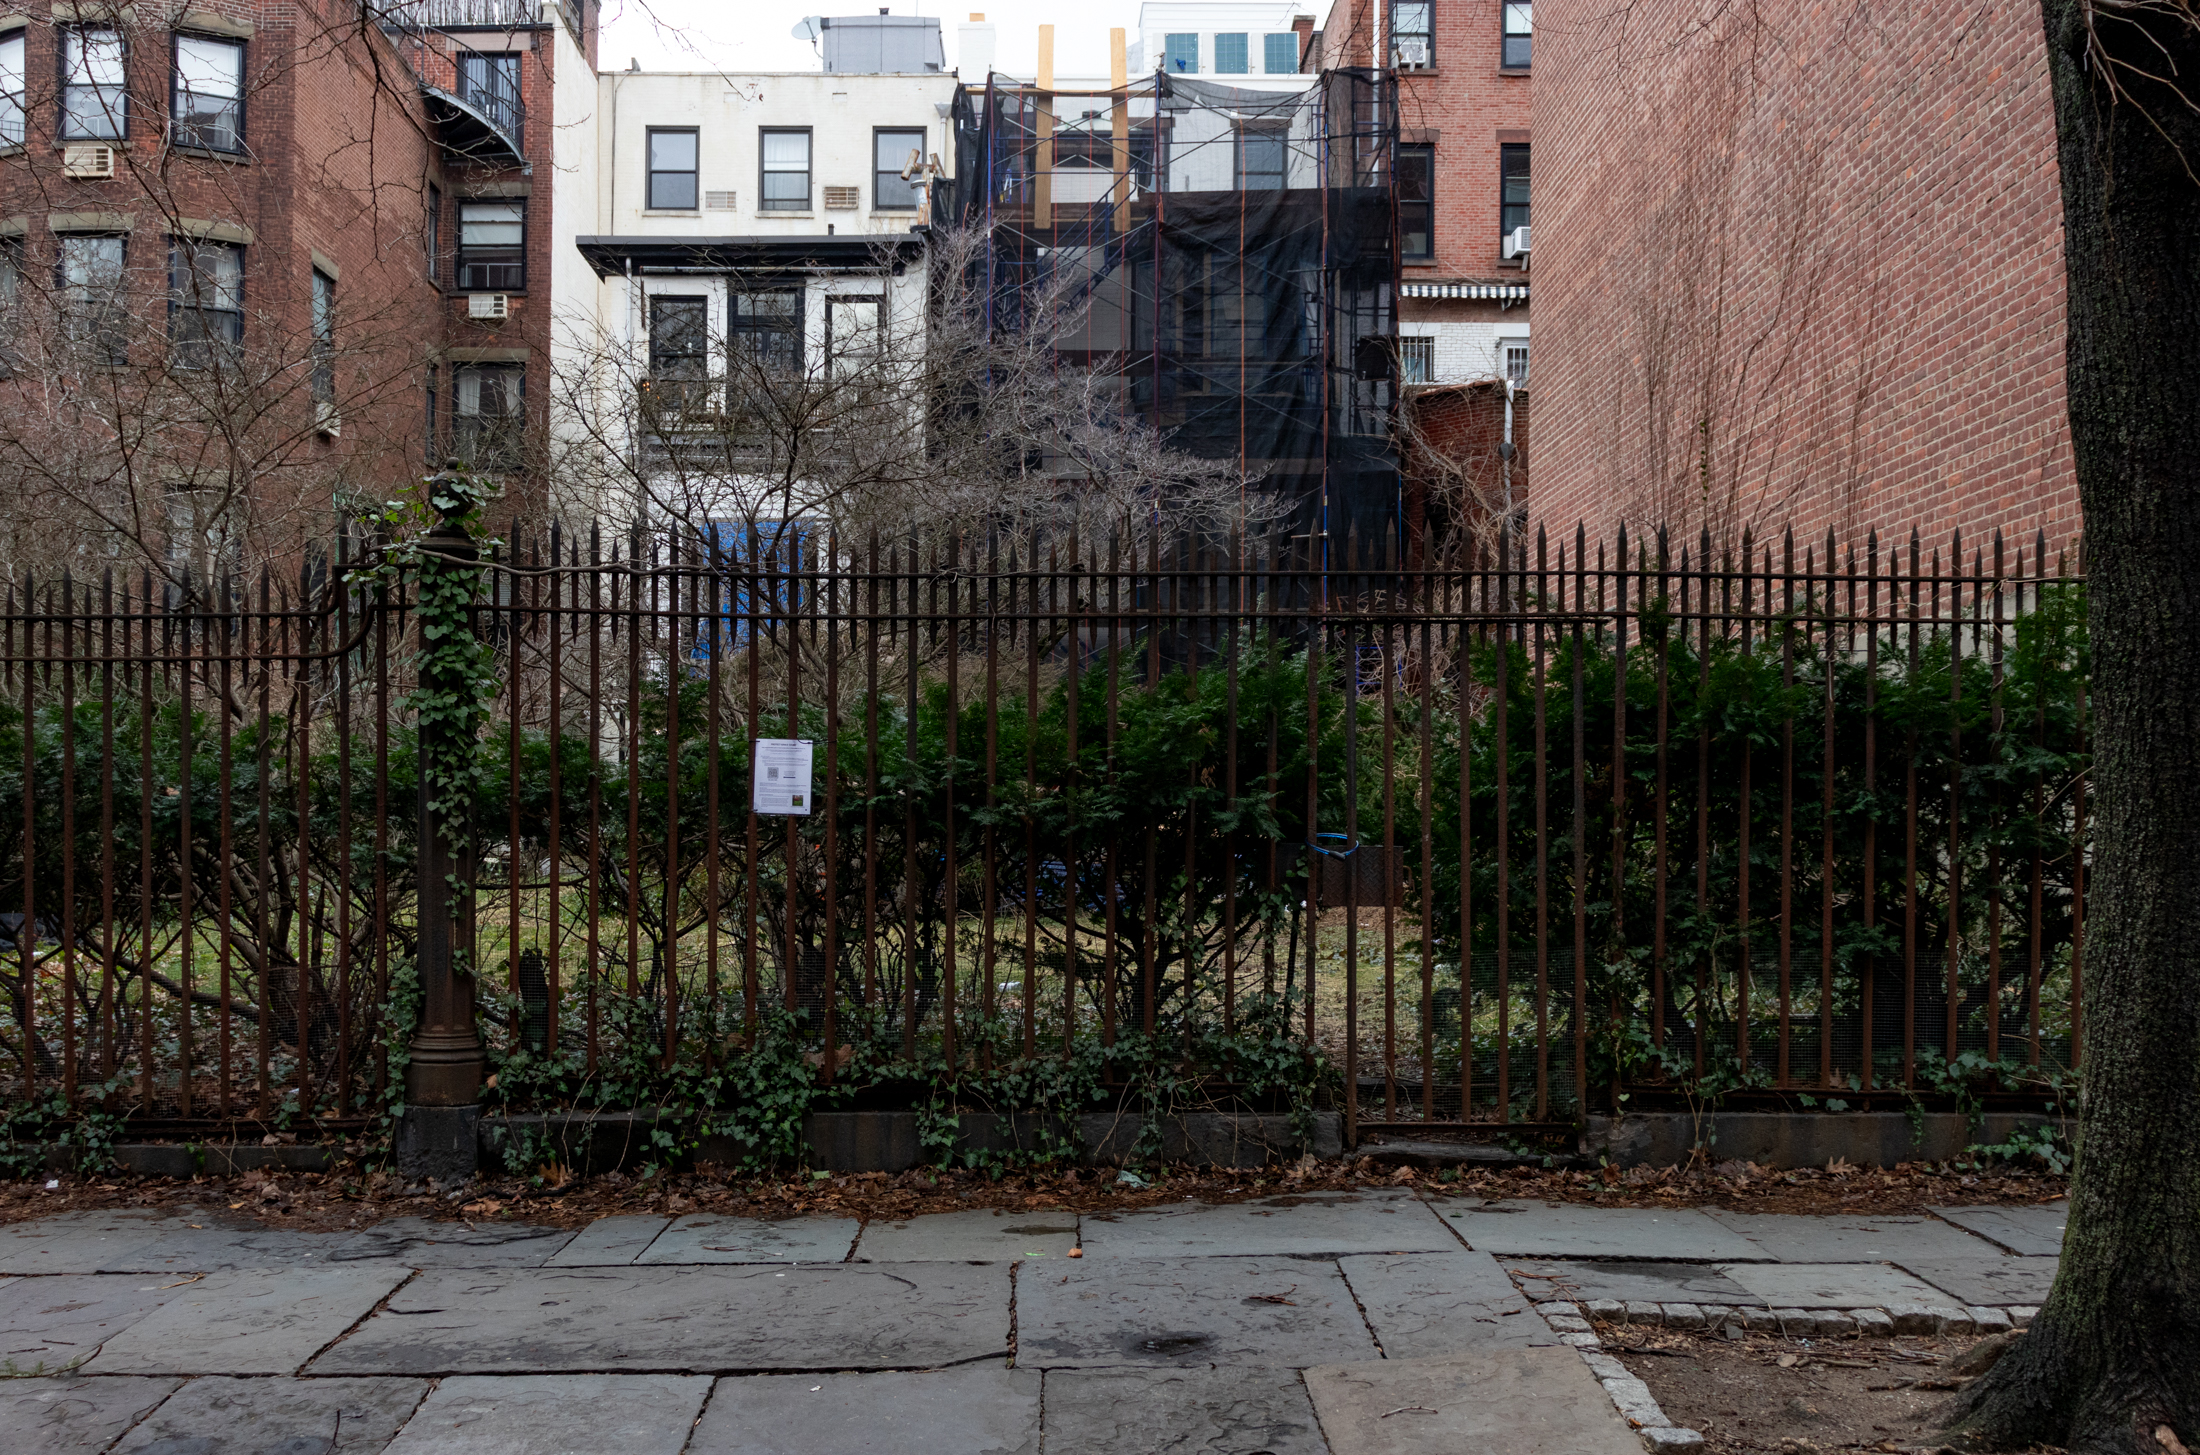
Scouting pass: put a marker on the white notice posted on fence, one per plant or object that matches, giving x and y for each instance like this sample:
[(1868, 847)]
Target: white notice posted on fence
[(782, 771)]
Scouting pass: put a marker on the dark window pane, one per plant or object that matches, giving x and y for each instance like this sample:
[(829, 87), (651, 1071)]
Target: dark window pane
[(890, 154), (672, 170), (1519, 33), (1513, 188), (1416, 196)]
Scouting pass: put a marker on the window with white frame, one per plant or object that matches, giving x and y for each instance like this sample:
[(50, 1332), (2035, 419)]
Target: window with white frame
[(93, 291), (1233, 53), (785, 182), (1512, 360), (1416, 360), (207, 95), (492, 246), (488, 414), (1180, 53), (205, 302), (1413, 34), (94, 106), (11, 89), (1280, 52)]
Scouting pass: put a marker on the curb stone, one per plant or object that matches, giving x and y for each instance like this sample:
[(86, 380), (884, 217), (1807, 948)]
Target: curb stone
[(1629, 1395)]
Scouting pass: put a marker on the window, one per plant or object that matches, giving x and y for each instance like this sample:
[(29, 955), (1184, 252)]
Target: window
[(435, 459), (93, 293), (1416, 360), (1180, 53), (1412, 34), (492, 246), (1261, 154), (1512, 210), (1232, 55), (490, 84), (852, 333), (1519, 34), (679, 355), (890, 157), (1280, 52), (488, 415), (1416, 201), (786, 179), (208, 93), (11, 299), (1512, 357), (205, 302), (93, 104), (432, 235), (11, 89), (764, 331), (324, 338), (672, 163)]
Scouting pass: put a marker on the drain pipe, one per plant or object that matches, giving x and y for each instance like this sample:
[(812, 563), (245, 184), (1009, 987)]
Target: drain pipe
[(1505, 449)]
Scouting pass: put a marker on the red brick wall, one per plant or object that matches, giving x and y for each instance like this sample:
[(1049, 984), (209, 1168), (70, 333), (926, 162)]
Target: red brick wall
[(1465, 106), (1455, 475), (335, 151), (1800, 267)]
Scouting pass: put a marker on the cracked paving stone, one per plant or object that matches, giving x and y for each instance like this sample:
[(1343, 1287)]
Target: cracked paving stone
[(1200, 1411), (277, 1417)]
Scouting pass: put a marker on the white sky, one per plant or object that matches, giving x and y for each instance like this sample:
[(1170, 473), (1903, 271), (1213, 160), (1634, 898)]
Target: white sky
[(753, 35)]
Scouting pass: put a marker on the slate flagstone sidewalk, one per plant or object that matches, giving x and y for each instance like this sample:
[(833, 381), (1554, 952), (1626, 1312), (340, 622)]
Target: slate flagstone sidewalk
[(1380, 1322)]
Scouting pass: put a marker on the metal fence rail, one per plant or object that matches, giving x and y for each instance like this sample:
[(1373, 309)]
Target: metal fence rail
[(1504, 841)]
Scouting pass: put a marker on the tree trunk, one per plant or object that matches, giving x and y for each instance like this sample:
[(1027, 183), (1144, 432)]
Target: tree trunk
[(2113, 1360)]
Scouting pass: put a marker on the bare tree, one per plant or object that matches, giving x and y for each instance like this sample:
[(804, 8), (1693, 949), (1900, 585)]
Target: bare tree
[(944, 407), (181, 394)]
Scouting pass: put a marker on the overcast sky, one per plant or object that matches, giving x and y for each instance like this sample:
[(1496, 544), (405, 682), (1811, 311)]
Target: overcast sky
[(753, 35)]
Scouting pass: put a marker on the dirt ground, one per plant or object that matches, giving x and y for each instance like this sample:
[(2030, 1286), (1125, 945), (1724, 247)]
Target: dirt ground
[(1761, 1393), (353, 1195)]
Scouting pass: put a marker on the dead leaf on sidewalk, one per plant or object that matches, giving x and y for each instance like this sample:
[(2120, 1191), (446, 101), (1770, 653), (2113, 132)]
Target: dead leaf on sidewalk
[(1283, 1297)]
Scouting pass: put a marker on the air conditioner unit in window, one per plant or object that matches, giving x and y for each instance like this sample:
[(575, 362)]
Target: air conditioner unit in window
[(843, 199), (1516, 243), (326, 420), (87, 160), (488, 305), (1412, 55)]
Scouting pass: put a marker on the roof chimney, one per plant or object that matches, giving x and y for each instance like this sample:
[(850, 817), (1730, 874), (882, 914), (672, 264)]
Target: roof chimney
[(974, 48)]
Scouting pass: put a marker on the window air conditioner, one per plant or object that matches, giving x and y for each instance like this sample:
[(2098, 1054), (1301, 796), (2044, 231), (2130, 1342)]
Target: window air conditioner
[(1412, 55), (843, 199), (488, 305), (326, 420), (87, 161), (1516, 243)]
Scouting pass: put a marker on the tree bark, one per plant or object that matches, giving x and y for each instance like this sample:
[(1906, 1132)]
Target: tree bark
[(2114, 1357)]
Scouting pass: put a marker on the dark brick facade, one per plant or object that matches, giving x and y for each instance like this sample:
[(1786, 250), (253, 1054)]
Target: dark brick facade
[(1800, 267)]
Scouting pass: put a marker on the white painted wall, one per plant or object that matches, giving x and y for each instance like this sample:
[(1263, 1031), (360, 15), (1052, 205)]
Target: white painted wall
[(1468, 350), (730, 114)]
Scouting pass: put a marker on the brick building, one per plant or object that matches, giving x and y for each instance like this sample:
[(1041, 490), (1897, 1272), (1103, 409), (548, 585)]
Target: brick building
[(1463, 69), (1801, 267), (236, 246)]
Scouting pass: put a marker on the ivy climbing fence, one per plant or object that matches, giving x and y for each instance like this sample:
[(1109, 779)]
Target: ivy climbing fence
[(1509, 840)]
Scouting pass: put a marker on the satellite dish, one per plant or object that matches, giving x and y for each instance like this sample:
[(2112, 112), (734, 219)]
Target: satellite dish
[(809, 27)]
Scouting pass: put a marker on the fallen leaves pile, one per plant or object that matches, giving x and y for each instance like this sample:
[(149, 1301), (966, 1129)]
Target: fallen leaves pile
[(352, 1196)]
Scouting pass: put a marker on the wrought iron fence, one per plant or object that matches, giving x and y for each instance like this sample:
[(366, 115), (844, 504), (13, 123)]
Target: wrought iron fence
[(1505, 840)]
